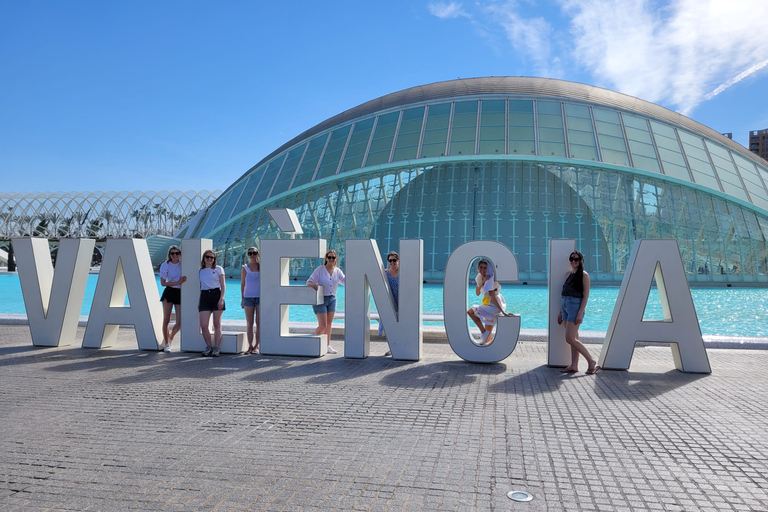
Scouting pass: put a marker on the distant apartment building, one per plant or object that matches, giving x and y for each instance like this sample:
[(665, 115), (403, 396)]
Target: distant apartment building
[(758, 142)]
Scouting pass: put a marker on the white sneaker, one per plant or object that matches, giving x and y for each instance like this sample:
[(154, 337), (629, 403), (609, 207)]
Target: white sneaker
[(484, 337), (332, 350), (167, 348)]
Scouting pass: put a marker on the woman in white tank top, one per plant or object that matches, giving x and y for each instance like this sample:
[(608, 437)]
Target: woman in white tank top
[(250, 285)]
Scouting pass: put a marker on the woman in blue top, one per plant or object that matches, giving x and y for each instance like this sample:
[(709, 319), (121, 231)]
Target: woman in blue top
[(393, 278), (249, 293), (575, 295)]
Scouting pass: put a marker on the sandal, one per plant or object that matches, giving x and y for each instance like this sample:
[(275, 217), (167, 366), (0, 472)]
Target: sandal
[(593, 370)]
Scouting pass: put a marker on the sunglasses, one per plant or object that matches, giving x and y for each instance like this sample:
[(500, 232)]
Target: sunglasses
[(174, 253), (392, 261), (331, 257), (251, 253), (209, 257), (574, 258)]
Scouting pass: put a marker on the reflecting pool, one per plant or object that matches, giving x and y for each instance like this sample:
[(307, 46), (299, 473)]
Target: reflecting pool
[(721, 311)]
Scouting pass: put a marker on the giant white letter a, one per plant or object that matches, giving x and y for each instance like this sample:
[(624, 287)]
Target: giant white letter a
[(680, 327)]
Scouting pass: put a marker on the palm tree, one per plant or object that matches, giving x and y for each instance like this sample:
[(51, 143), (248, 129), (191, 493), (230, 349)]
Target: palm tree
[(161, 212), (42, 228), (94, 228), (108, 217), (65, 227), (5, 217)]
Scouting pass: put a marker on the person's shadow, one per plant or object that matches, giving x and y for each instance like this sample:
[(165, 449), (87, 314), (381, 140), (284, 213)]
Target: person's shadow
[(536, 381), (440, 374), (639, 386)]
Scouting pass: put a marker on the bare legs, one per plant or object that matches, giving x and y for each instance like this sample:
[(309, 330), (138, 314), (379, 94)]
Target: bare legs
[(251, 317), (205, 317), (324, 321), (177, 325), (476, 319), (484, 329), (168, 334), (577, 347), (167, 308)]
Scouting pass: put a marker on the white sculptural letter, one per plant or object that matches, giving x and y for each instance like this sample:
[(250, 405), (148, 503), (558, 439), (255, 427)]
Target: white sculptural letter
[(53, 299), (365, 275), (455, 302), (192, 250), (126, 268), (278, 295), (558, 351), (680, 327)]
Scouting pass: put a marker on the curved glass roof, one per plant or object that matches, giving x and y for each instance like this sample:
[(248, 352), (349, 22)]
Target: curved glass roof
[(507, 118)]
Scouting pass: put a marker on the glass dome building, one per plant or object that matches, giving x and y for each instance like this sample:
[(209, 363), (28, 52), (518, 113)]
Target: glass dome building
[(516, 160)]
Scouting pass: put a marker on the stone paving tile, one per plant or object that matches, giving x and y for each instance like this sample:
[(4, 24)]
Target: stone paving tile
[(120, 429)]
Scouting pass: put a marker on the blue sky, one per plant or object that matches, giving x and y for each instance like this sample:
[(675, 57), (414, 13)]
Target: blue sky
[(163, 95)]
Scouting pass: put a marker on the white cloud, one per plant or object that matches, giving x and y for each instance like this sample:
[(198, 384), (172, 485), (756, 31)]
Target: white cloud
[(530, 35), (445, 10), (678, 53)]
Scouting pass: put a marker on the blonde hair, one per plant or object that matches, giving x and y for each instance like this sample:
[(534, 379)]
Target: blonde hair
[(258, 256), (169, 252)]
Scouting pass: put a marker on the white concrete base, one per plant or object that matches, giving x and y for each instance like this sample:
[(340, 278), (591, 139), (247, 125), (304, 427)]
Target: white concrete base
[(234, 342)]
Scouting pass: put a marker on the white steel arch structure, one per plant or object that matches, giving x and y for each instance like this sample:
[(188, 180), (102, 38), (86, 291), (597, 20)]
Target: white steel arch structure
[(99, 214)]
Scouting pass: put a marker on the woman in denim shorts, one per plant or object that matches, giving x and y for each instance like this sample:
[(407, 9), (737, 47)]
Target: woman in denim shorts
[(250, 289), (329, 276), (574, 302)]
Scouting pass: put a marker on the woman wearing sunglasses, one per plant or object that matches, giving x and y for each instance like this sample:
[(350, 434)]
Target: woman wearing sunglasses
[(393, 278), (249, 292), (212, 288), (492, 305), (574, 302), (329, 276), (171, 278)]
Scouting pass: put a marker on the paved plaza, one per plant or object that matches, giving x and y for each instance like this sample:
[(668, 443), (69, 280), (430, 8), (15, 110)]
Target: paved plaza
[(121, 429)]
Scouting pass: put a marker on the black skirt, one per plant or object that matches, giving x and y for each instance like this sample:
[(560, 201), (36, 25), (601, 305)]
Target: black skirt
[(172, 295), (209, 300)]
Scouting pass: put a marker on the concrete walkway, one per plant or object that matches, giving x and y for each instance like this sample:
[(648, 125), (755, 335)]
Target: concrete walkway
[(120, 429)]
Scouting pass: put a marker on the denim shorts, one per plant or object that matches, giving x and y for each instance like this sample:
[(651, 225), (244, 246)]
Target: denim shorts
[(569, 308), (328, 305), (250, 302)]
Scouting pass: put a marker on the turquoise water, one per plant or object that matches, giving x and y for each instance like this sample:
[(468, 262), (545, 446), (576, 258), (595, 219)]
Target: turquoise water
[(721, 311)]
